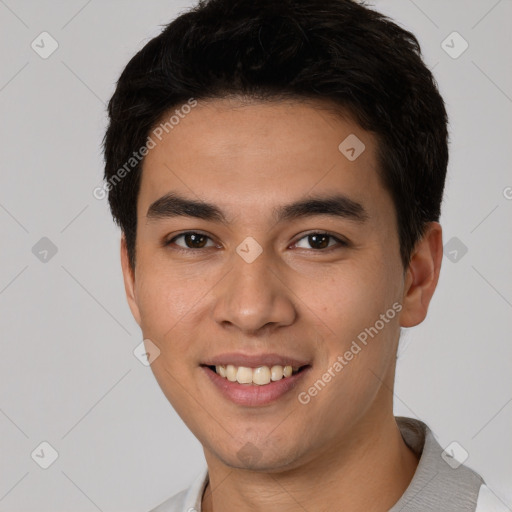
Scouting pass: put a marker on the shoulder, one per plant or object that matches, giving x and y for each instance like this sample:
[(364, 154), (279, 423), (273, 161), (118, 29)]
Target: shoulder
[(187, 500), (489, 502), (173, 504), (440, 482)]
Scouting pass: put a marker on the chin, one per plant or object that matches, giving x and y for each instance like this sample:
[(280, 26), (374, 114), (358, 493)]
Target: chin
[(262, 459)]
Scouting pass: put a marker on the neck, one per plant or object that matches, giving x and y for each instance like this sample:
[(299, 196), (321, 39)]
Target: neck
[(368, 474)]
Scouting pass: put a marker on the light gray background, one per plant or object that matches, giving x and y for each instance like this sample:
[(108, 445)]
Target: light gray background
[(67, 371)]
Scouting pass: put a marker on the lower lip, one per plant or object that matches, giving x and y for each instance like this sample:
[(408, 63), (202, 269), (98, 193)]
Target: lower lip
[(253, 394)]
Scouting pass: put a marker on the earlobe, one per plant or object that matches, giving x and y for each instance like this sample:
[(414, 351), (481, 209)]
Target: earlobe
[(129, 281), (422, 276)]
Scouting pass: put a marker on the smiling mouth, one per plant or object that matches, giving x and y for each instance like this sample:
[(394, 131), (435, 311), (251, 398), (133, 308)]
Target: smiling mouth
[(260, 376)]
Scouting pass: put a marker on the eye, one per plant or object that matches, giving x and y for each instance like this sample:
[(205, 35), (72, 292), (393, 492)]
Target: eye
[(320, 241), (192, 240)]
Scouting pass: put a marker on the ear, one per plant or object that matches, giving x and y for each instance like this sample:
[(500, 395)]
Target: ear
[(422, 276), (129, 281)]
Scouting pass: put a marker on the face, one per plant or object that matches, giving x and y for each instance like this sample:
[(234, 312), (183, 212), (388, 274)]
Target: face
[(290, 259)]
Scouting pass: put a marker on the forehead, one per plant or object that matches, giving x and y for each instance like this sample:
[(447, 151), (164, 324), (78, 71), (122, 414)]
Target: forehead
[(244, 155)]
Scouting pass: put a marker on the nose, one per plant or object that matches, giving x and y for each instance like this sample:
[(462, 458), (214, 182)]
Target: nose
[(254, 297)]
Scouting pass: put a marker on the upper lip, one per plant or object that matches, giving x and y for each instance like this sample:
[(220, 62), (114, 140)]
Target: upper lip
[(254, 360)]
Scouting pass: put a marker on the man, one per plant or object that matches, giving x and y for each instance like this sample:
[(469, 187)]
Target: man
[(277, 170)]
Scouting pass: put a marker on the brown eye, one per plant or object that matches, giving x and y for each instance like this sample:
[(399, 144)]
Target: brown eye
[(192, 240), (320, 241)]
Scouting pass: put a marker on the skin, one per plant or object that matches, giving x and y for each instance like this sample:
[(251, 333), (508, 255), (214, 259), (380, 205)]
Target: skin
[(342, 450)]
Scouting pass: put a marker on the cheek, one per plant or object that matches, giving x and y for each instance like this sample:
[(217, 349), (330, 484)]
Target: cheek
[(354, 310), (166, 307), (351, 298), (163, 303)]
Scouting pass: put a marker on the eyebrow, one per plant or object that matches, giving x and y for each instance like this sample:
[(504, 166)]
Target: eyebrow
[(335, 205)]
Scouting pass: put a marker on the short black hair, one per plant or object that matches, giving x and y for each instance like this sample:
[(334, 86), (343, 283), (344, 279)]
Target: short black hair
[(340, 51)]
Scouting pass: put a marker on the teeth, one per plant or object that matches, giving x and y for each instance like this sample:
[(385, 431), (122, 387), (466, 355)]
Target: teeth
[(244, 375), (259, 376), (230, 372), (276, 372)]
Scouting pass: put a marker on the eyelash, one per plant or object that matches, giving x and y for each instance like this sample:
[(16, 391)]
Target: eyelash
[(342, 243)]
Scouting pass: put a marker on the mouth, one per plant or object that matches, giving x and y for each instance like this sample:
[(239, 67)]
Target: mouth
[(259, 376), (255, 385)]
